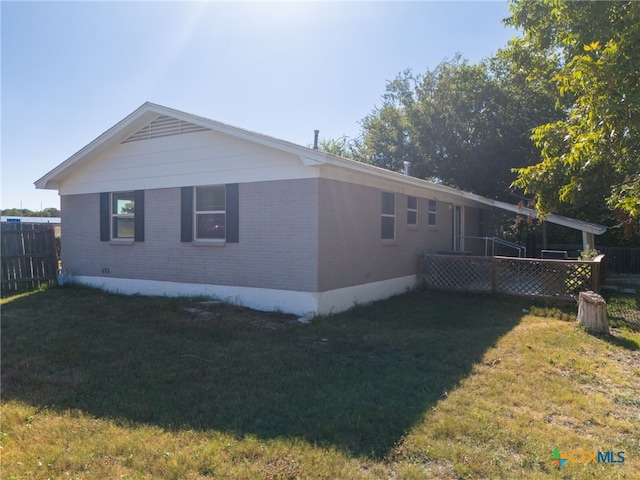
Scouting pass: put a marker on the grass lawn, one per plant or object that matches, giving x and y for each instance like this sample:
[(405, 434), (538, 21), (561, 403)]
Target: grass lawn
[(424, 385)]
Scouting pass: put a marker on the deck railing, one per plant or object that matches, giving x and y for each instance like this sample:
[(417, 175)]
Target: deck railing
[(492, 245), (556, 279)]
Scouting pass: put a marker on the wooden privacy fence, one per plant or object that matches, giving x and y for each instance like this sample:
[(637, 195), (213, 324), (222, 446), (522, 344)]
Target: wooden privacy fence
[(29, 257), (622, 259), (557, 279)]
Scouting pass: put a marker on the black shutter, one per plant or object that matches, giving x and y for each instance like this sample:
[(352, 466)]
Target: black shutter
[(233, 216), (138, 217), (104, 217), (186, 214)]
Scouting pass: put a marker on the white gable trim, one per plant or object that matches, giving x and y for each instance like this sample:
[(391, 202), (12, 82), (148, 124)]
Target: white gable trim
[(146, 114), (112, 137), (149, 112)]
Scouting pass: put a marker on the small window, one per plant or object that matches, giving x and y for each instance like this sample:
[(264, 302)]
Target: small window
[(210, 213), (123, 215), (432, 214), (388, 221), (481, 223), (412, 211)]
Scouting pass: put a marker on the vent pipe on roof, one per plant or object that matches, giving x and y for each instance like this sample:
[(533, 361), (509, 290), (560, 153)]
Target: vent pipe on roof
[(405, 167), (315, 139)]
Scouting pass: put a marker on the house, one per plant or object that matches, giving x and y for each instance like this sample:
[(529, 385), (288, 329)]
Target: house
[(169, 203)]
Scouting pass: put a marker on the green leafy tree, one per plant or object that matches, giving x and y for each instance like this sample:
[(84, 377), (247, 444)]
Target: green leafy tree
[(25, 212), (50, 212), (590, 158), (462, 124), (342, 147), (12, 212), (387, 132)]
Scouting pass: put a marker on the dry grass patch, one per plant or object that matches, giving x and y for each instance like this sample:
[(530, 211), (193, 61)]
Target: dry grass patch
[(545, 385), (424, 385)]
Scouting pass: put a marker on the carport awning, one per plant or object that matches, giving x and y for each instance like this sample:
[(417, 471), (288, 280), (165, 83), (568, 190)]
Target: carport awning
[(588, 229), (585, 227)]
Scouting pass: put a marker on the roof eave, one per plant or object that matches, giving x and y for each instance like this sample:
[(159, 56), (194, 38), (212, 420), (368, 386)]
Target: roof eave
[(308, 156), (116, 134), (581, 225)]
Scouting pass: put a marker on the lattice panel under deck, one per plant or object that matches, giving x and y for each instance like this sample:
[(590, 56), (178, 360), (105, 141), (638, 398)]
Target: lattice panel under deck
[(458, 273), (549, 279), (517, 276)]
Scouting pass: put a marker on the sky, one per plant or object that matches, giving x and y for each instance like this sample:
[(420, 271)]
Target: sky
[(72, 70)]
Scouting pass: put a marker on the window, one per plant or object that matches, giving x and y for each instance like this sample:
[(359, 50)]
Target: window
[(412, 211), (481, 223), (210, 213), (122, 216), (388, 221), (432, 214)]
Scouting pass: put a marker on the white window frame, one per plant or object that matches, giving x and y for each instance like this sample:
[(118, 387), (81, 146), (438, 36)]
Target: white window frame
[(388, 215), (114, 215), (412, 210), (432, 213), (197, 212)]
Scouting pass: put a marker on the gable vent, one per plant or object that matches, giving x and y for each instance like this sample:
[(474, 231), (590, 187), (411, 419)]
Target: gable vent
[(164, 126)]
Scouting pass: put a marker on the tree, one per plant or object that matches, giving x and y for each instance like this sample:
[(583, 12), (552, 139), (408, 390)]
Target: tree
[(50, 212), (25, 212), (590, 158), (13, 212), (464, 125), (342, 147)]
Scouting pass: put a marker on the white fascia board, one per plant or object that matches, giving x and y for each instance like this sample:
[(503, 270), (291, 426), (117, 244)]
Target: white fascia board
[(150, 111), (116, 134), (366, 168), (310, 161), (308, 156), (581, 225), (146, 114)]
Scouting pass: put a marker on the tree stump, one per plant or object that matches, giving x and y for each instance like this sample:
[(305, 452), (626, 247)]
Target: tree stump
[(592, 312)]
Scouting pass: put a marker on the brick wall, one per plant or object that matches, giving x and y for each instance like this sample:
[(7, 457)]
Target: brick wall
[(277, 247), (351, 251)]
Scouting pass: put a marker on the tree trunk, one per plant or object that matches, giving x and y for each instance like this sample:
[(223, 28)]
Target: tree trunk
[(592, 312)]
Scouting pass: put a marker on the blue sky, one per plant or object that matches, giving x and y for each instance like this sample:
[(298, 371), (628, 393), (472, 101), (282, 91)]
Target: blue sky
[(71, 70)]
